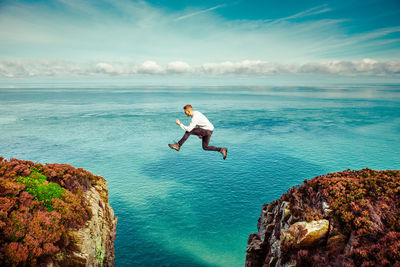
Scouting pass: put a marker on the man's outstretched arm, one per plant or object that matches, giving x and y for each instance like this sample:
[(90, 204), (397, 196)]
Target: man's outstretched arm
[(191, 126)]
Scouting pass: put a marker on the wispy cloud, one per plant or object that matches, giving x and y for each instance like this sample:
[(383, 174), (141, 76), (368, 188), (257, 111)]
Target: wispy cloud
[(309, 12), (116, 31), (383, 32), (361, 42), (57, 68), (199, 12)]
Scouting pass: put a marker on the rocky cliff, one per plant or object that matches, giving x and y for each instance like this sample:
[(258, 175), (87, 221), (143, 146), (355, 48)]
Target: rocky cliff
[(349, 218), (54, 215), (93, 245)]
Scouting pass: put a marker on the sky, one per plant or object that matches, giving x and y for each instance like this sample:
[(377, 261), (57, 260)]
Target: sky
[(172, 38)]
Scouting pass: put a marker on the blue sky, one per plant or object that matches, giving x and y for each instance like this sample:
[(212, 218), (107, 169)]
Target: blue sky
[(124, 38)]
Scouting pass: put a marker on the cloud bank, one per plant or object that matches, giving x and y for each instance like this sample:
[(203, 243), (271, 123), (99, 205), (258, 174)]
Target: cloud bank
[(58, 68)]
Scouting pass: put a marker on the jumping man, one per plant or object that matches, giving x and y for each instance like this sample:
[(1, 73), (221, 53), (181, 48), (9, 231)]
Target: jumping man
[(199, 126)]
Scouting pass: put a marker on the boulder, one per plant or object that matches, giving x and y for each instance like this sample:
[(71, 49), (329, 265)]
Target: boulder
[(305, 234)]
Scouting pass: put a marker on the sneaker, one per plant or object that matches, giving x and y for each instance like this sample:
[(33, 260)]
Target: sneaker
[(224, 152), (175, 146)]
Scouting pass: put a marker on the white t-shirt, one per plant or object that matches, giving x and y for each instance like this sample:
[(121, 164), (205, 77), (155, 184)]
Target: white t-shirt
[(199, 121)]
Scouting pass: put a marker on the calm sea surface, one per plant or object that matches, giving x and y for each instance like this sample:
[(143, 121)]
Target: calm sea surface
[(191, 208)]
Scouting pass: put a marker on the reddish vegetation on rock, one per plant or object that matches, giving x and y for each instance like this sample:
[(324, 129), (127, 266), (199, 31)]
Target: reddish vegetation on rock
[(363, 208), (360, 200), (30, 232)]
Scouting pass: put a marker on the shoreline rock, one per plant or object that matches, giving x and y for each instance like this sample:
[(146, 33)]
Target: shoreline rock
[(349, 218)]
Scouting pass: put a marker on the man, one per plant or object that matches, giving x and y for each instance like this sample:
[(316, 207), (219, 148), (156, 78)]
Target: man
[(199, 126)]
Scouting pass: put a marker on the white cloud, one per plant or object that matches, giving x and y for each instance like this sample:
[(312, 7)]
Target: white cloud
[(59, 68), (178, 67), (105, 68), (148, 67), (364, 67), (244, 67), (11, 68), (352, 68)]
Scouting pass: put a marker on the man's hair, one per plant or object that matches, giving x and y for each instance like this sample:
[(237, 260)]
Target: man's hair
[(187, 107)]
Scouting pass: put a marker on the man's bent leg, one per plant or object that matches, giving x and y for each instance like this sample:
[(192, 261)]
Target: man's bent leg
[(195, 131), (206, 141)]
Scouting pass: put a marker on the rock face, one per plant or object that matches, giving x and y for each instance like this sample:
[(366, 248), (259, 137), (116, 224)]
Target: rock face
[(93, 245), (276, 230), (331, 220)]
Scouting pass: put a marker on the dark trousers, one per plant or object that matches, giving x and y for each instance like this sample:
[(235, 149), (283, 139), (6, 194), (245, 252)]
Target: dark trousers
[(206, 136)]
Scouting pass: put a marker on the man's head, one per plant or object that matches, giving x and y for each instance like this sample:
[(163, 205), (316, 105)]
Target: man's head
[(188, 109)]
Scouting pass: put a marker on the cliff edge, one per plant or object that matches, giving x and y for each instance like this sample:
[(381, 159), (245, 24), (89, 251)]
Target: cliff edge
[(54, 215), (349, 218)]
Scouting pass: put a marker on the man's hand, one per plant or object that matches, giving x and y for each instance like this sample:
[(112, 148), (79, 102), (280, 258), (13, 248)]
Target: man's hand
[(178, 122)]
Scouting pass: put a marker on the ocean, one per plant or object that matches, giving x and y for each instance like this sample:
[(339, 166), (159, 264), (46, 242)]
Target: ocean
[(192, 208)]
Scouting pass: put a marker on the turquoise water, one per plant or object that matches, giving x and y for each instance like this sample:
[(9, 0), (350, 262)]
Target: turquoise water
[(191, 208)]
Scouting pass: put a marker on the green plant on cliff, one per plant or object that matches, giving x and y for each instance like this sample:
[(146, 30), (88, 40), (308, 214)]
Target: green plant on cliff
[(37, 185), (99, 254)]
